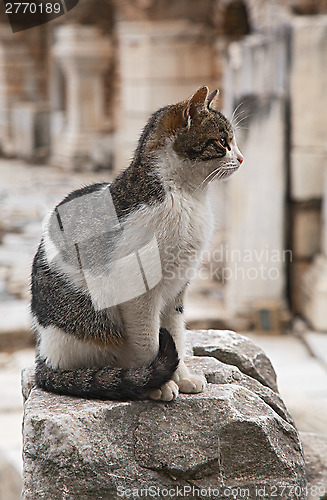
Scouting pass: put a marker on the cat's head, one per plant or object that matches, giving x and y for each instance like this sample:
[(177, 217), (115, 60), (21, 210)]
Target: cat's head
[(197, 141)]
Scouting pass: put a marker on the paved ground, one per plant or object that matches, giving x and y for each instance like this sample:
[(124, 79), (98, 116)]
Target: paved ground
[(301, 376)]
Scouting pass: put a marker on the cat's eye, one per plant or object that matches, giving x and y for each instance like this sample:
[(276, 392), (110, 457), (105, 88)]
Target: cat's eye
[(223, 142)]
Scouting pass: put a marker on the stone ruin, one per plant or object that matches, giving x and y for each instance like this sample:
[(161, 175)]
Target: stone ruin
[(235, 440)]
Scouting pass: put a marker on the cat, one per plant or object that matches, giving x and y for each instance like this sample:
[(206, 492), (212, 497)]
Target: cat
[(110, 273)]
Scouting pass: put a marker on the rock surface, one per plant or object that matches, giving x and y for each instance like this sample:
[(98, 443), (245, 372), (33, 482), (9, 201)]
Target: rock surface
[(234, 349), (236, 438)]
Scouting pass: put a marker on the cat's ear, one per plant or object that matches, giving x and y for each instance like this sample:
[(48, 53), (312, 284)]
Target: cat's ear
[(175, 118), (183, 113), (212, 97), (195, 103)]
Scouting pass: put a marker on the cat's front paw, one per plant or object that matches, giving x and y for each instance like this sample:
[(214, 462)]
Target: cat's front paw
[(189, 383), (167, 392)]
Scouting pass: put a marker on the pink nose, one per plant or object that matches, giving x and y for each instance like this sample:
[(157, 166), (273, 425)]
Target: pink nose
[(240, 158)]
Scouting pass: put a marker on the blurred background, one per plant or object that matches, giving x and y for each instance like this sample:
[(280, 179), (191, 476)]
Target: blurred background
[(75, 94)]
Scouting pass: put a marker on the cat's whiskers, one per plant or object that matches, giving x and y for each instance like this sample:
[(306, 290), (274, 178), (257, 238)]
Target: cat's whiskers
[(229, 165), (237, 124), (239, 115), (214, 172), (241, 128), (220, 175), (235, 110)]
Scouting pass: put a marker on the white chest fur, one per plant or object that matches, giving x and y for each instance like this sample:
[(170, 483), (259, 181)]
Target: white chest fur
[(182, 226)]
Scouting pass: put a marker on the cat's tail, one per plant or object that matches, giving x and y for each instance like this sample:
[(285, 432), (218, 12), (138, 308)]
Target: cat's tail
[(112, 383)]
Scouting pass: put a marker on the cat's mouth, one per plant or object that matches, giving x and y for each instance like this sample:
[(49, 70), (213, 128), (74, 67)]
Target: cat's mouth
[(220, 173), (234, 167), (228, 170)]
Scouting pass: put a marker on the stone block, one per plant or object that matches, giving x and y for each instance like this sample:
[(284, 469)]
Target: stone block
[(298, 270), (308, 82), (17, 81), (133, 54), (197, 60), (165, 56), (134, 97), (306, 232), (307, 173), (163, 50), (30, 129), (235, 436), (314, 294)]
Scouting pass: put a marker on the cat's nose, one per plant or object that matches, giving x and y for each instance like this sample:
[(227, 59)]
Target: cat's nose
[(240, 158)]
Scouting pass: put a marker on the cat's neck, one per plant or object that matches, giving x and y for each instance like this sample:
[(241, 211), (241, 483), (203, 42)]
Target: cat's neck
[(178, 176)]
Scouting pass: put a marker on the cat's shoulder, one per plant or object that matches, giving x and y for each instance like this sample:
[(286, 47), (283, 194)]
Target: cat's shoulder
[(83, 191)]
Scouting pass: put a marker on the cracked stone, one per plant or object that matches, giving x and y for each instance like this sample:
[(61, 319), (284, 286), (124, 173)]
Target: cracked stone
[(237, 433)]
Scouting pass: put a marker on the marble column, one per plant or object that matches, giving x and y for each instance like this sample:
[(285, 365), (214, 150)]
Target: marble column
[(255, 253), (84, 54), (309, 153)]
